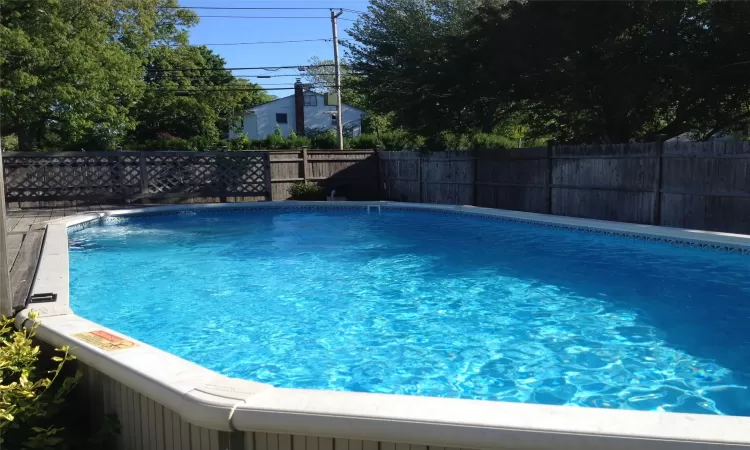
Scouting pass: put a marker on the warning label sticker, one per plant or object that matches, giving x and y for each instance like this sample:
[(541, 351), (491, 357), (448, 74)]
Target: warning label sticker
[(104, 340)]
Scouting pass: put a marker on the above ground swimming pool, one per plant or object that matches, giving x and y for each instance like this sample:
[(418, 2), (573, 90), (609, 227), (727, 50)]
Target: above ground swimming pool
[(429, 304)]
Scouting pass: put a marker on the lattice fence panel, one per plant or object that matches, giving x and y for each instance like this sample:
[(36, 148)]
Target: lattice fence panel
[(66, 176), (133, 175), (206, 174)]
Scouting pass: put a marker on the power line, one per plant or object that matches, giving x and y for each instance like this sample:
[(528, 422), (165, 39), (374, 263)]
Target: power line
[(270, 76), (225, 89), (221, 89), (263, 17), (271, 42), (269, 17), (301, 67), (193, 76), (257, 8)]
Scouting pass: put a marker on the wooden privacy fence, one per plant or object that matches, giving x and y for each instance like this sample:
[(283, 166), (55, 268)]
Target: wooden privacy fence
[(353, 173), (54, 179), (703, 185)]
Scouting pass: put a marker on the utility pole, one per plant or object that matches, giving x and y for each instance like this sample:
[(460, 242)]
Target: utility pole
[(337, 74), (6, 300)]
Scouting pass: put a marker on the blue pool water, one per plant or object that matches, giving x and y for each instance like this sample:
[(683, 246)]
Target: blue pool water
[(428, 304)]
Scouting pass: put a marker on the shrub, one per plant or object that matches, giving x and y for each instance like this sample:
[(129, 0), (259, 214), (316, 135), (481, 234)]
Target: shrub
[(364, 142), (29, 397), (448, 141), (297, 142), (10, 143), (303, 191), (485, 141), (327, 140), (399, 140), (203, 144), (239, 143), (167, 144), (276, 139)]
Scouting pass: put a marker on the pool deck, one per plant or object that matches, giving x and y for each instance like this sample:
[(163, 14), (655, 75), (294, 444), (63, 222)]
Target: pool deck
[(25, 235)]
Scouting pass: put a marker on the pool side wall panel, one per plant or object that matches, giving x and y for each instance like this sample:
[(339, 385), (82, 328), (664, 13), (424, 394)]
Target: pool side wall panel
[(148, 425)]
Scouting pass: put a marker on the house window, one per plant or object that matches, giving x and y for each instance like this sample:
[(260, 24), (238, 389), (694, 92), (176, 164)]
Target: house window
[(334, 120), (281, 118), (311, 100)]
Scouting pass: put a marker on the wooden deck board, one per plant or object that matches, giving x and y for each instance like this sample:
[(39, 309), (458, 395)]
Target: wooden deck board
[(24, 224), (22, 273), (14, 245)]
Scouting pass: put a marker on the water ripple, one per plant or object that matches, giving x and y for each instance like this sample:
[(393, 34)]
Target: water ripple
[(423, 304)]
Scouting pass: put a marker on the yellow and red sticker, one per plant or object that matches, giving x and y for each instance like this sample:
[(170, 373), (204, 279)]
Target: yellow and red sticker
[(105, 341)]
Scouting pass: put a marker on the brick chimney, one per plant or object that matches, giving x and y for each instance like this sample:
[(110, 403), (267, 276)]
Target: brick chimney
[(299, 107)]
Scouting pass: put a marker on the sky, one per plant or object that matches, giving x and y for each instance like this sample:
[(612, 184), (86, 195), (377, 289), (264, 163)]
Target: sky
[(214, 30)]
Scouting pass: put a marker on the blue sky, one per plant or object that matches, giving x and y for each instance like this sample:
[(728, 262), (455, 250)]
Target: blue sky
[(232, 30)]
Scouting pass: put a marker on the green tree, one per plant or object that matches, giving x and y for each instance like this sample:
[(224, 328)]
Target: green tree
[(189, 96), (72, 69), (597, 72), (573, 71), (400, 51), (103, 74)]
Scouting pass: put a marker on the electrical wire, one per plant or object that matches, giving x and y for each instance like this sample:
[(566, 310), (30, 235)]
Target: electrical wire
[(270, 76), (220, 89), (271, 42), (258, 8), (226, 89), (270, 68), (265, 17), (261, 8)]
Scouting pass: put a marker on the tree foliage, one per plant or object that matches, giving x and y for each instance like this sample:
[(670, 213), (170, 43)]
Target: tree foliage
[(574, 71), (198, 104), (321, 76), (82, 74)]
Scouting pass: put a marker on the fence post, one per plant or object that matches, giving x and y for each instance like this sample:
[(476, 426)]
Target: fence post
[(550, 149), (267, 176), (379, 175), (144, 175), (474, 200), (659, 177), (420, 161), (304, 165)]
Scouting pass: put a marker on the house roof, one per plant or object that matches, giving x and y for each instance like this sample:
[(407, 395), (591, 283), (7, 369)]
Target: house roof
[(307, 91)]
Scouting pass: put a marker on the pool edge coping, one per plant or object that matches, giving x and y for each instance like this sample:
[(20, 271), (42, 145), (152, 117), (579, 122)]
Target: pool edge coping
[(205, 398)]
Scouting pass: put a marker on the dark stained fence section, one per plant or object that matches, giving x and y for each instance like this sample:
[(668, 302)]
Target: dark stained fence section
[(612, 182), (700, 185), (509, 179), (706, 185), (448, 178), (400, 174)]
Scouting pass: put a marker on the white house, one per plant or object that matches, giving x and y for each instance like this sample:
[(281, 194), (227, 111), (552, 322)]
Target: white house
[(303, 110)]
